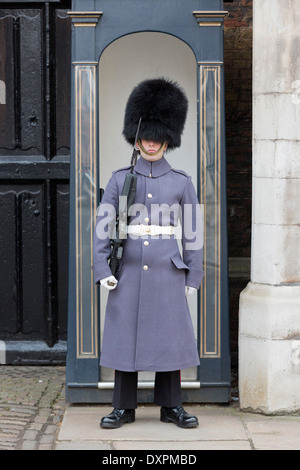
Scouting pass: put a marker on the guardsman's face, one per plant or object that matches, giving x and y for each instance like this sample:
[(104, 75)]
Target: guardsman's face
[(154, 150)]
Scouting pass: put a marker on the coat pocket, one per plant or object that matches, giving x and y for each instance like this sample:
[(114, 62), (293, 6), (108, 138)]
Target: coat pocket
[(178, 263)]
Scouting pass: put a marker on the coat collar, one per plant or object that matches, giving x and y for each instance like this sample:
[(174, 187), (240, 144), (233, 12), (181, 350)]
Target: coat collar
[(158, 168)]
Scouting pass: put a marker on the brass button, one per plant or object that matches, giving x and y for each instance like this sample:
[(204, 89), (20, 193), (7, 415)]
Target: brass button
[(146, 243), (145, 268), (147, 219), (149, 195), (148, 229)]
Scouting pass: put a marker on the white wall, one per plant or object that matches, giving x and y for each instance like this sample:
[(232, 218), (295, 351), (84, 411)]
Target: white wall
[(123, 65)]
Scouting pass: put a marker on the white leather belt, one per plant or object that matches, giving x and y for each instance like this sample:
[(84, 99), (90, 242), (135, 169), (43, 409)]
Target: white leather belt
[(153, 230)]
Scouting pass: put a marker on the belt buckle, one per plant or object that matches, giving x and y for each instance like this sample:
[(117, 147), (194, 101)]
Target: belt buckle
[(146, 229), (142, 229)]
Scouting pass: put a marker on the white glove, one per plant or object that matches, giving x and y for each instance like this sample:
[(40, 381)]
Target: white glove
[(189, 290), (109, 282)]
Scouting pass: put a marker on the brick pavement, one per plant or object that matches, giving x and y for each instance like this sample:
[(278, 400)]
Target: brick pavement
[(32, 406)]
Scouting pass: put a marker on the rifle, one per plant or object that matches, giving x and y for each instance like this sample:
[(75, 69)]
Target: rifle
[(126, 200)]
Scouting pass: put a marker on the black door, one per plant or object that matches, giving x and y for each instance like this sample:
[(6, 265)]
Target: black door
[(35, 50)]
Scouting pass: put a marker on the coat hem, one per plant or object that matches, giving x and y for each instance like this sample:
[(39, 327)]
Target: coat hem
[(139, 367)]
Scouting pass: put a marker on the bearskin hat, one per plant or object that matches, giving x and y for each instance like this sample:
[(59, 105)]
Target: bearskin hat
[(162, 106)]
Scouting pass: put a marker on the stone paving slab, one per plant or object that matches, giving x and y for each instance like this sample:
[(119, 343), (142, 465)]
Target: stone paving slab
[(273, 432), (82, 423), (220, 428)]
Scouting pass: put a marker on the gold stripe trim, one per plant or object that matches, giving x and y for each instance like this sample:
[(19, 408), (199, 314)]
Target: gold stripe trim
[(85, 158), (210, 24), (205, 71), (84, 25)]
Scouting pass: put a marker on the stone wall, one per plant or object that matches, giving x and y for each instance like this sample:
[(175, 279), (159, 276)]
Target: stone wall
[(269, 315)]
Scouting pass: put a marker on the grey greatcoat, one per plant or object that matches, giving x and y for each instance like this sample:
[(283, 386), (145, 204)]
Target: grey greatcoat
[(147, 323)]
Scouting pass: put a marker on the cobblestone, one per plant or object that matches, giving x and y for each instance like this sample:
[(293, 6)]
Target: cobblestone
[(32, 406)]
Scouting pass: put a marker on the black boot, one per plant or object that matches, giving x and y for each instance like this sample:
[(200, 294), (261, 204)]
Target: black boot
[(117, 418), (178, 416)]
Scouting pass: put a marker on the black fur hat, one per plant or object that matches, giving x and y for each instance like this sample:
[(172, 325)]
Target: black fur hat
[(162, 105)]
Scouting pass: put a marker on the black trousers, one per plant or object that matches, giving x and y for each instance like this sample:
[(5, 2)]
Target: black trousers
[(167, 389)]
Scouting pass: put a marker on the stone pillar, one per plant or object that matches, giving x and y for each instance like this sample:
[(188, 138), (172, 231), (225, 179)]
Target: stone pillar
[(269, 326)]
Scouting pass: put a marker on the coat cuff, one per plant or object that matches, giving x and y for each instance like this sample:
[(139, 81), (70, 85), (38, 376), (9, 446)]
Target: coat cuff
[(101, 270), (194, 277)]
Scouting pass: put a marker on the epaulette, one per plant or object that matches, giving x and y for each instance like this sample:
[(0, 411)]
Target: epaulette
[(181, 172), (122, 169)]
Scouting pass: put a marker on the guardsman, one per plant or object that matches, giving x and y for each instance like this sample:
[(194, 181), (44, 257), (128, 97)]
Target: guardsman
[(147, 323)]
